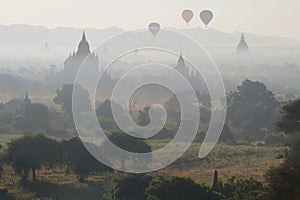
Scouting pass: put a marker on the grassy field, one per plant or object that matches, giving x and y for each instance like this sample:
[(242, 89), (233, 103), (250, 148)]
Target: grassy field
[(240, 161)]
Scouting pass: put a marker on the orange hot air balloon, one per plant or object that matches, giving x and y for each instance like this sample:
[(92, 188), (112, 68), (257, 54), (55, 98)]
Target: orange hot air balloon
[(187, 15)]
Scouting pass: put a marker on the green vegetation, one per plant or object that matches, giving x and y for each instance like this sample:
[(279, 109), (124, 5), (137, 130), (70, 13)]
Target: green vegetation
[(177, 188), (284, 180), (251, 156), (252, 109), (69, 180)]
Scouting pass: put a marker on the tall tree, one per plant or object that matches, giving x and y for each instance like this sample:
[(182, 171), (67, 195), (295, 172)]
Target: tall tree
[(79, 160), (284, 180), (128, 143), (251, 107), (37, 115), (290, 121), (64, 98), (30, 153), (177, 188)]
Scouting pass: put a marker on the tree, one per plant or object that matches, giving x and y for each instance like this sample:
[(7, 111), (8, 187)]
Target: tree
[(37, 115), (13, 105), (129, 186), (105, 109), (64, 98), (204, 99), (251, 108), (178, 188), (128, 143), (173, 108), (284, 180), (1, 169), (143, 116), (30, 153), (79, 160), (236, 189), (226, 136), (290, 121), (105, 115), (6, 118), (22, 123)]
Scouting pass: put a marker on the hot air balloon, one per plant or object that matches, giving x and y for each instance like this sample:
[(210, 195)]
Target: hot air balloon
[(206, 16), (154, 28), (187, 15)]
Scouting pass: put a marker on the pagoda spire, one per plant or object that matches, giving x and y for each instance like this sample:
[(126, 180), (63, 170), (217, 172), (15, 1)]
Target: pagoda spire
[(216, 186), (242, 46), (83, 36), (26, 100), (243, 37)]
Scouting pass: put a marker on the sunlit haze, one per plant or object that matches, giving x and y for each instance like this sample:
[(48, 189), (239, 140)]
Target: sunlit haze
[(269, 17)]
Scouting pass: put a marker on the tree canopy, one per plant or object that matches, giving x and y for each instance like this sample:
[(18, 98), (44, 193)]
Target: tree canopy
[(284, 180), (251, 108), (178, 188), (128, 143), (31, 152), (290, 121), (64, 98), (79, 160)]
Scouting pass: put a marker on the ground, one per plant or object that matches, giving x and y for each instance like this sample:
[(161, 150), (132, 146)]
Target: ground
[(241, 161)]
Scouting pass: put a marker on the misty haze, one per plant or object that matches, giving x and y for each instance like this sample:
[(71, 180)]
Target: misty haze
[(150, 100)]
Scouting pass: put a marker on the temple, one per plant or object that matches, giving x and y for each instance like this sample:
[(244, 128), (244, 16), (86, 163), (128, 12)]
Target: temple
[(75, 60), (242, 47), (189, 73), (25, 102)]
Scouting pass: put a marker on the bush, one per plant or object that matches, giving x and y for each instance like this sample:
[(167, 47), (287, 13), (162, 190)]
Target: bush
[(248, 189), (31, 152), (178, 188), (284, 180), (129, 186)]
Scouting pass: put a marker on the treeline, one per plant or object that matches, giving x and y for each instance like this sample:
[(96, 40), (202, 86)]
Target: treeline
[(145, 187), (30, 153), (252, 111)]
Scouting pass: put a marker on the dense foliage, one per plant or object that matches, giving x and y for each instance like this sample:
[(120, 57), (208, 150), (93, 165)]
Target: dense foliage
[(31, 153), (178, 188), (284, 180), (252, 108)]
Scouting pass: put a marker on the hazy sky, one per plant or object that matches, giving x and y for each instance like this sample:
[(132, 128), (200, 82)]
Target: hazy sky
[(271, 17)]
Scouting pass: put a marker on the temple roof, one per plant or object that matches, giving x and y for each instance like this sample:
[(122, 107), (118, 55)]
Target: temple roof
[(26, 99), (83, 47), (242, 46)]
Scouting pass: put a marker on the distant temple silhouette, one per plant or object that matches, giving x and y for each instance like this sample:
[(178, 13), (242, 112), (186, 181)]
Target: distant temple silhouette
[(90, 63), (82, 57), (242, 47), (189, 73), (26, 100), (75, 60), (46, 47)]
